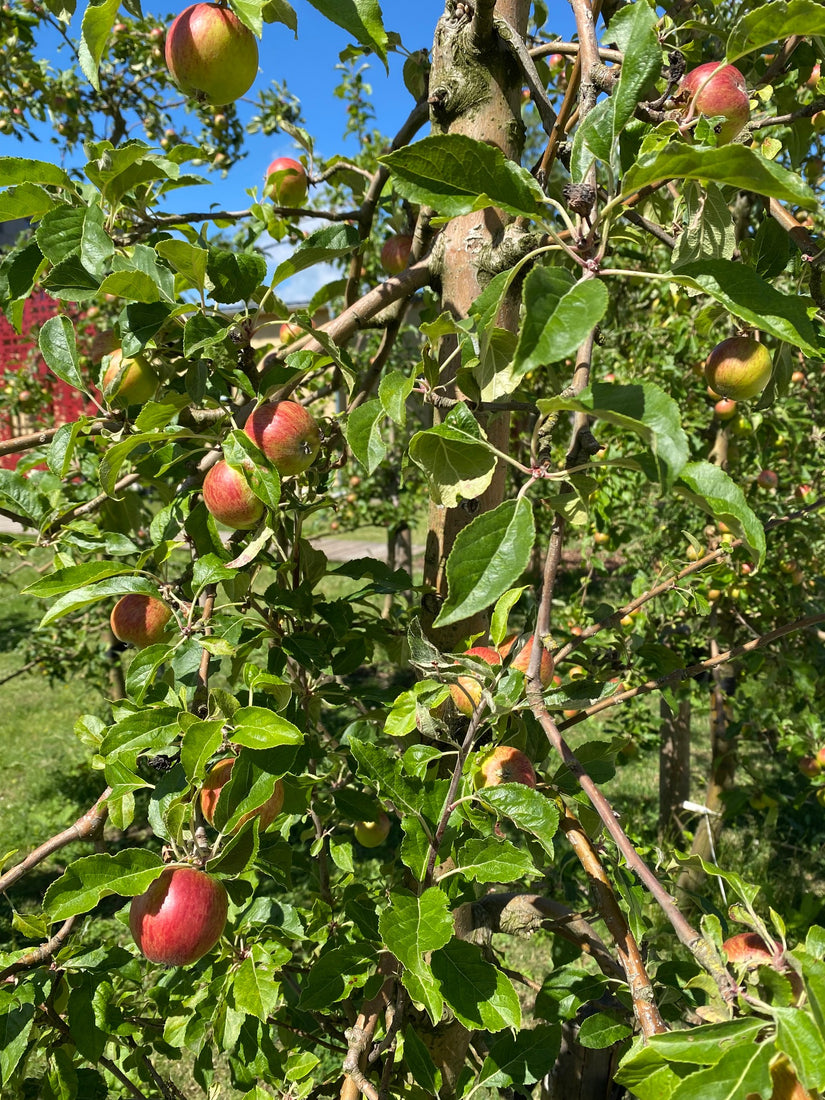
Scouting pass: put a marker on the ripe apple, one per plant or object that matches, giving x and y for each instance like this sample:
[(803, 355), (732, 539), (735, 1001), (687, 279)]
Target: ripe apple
[(809, 766), (466, 692), (229, 498), (287, 434), (395, 255), (719, 90), (505, 764), (286, 182), (740, 367), (803, 492), (216, 779), (767, 479), (180, 917), (140, 620), (289, 332), (820, 757), (128, 381), (725, 408), (210, 54), (813, 79), (521, 661), (370, 834)]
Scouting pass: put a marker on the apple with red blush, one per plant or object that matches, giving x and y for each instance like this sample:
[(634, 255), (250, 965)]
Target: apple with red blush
[(229, 498), (140, 620), (210, 54), (217, 778), (180, 917), (286, 182), (287, 434), (715, 90)]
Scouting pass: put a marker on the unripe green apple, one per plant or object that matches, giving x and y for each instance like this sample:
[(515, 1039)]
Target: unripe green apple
[(128, 381), (370, 834), (140, 620), (740, 367), (211, 55)]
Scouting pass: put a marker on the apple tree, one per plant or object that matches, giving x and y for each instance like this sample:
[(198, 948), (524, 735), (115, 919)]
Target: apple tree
[(335, 798)]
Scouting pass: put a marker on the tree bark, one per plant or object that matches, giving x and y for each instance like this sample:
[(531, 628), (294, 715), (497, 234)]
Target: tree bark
[(674, 768), (475, 90)]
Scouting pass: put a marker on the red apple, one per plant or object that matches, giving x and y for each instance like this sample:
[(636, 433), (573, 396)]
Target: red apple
[(180, 917), (740, 367), (210, 54), (467, 690), (803, 492), (371, 834), (140, 620), (229, 498), (809, 766), (218, 777), (719, 90), (505, 764), (395, 255), (286, 182), (813, 79), (290, 332), (287, 434), (521, 661), (725, 409), (767, 479), (128, 381)]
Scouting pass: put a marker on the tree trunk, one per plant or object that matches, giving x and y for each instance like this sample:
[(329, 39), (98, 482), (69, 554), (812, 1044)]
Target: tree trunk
[(475, 92), (674, 768)]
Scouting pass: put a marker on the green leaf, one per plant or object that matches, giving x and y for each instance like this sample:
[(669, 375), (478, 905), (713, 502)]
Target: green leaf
[(60, 232), (487, 859), (705, 1045), (775, 22), (634, 29), (364, 435), (142, 671), (234, 276), (255, 986), (420, 1063), (717, 494), (708, 226), (258, 728), (96, 248), (457, 464), (740, 1071), (87, 880), (188, 259), (379, 769), (23, 170), (279, 11), (529, 809), (17, 494), (488, 557), (62, 448), (410, 928), (556, 320), (132, 286), (360, 18), (322, 246), (734, 165), (521, 1059), (336, 974), (201, 740), (98, 20), (59, 348), (479, 994), (600, 1030), (799, 1037), (15, 1028), (26, 201), (393, 391), (71, 282), (456, 175), (746, 295), (642, 408), (501, 613), (99, 590)]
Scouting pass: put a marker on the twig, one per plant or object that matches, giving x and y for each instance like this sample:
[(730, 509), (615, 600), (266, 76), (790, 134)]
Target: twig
[(604, 897), (41, 953), (90, 505), (41, 438), (200, 701), (571, 49), (60, 1025), (87, 827)]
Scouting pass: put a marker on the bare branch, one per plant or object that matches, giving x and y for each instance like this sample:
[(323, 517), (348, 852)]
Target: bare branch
[(87, 827), (41, 953)]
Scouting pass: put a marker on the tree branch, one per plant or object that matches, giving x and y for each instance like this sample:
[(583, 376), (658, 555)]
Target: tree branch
[(41, 953), (87, 827)]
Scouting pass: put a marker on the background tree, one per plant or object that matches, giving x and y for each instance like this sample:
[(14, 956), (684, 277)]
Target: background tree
[(601, 532)]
